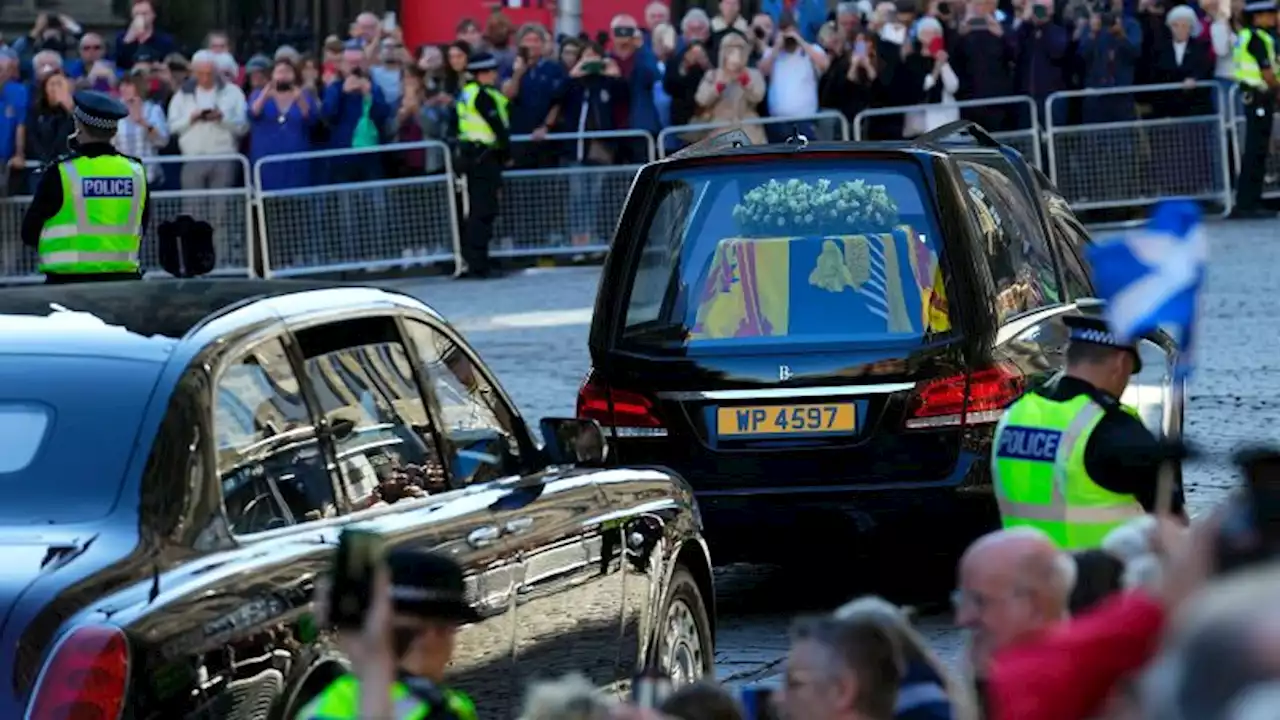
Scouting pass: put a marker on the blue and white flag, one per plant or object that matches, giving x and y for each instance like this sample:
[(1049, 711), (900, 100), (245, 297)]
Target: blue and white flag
[(1151, 277)]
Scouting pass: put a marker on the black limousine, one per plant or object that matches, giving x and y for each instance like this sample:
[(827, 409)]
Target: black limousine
[(178, 459)]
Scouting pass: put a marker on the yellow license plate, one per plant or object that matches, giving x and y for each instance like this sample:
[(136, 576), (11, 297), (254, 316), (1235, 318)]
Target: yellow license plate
[(786, 420)]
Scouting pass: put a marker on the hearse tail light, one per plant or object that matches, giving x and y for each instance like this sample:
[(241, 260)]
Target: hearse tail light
[(622, 413), (86, 677), (943, 403)]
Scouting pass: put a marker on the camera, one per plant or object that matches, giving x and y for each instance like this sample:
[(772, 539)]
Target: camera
[(1250, 531), (758, 32)]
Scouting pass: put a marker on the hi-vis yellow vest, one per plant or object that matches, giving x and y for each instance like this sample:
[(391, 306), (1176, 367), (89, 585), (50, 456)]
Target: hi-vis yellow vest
[(341, 701), (99, 227), (1247, 70), (472, 127), (1040, 476)]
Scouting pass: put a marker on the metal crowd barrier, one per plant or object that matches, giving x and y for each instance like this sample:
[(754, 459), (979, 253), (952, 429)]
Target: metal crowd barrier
[(355, 217), (1136, 163), (1236, 124), (829, 124), (227, 207), (1017, 109), (567, 210)]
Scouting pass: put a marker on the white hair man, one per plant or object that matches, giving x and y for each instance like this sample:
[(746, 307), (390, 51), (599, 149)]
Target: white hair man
[(1014, 585)]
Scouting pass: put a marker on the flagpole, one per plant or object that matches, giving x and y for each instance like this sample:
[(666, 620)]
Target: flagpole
[(1169, 466)]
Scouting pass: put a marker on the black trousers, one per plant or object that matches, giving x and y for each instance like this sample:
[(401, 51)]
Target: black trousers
[(72, 278), (1258, 109), (484, 188)]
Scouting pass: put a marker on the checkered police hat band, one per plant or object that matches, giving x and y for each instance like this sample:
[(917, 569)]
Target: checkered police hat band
[(94, 122), (1100, 337)]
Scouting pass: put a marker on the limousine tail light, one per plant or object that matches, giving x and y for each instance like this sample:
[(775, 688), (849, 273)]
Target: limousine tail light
[(943, 402), (86, 677), (629, 414)]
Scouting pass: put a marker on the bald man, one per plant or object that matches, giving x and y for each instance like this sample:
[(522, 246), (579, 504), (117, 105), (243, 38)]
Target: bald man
[(1014, 585)]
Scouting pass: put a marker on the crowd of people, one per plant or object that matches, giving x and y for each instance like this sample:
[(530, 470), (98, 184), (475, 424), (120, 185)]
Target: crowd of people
[(649, 73), (1162, 622)]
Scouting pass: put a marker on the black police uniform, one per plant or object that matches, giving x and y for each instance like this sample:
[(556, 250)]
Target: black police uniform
[(1259, 110), (1121, 454), (102, 112), (483, 167)]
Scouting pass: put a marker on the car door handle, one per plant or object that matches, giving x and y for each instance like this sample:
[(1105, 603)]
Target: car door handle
[(483, 536), (518, 525)]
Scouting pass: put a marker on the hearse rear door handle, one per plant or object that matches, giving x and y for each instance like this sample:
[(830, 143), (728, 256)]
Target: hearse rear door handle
[(484, 536)]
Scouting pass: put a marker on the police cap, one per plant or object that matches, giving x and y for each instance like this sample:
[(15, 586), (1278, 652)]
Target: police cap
[(1093, 329), (428, 585), (99, 110), (481, 61), (1260, 6)]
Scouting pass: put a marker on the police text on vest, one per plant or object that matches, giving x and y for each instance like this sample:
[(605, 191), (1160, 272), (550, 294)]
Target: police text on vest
[(1024, 443), (107, 187)]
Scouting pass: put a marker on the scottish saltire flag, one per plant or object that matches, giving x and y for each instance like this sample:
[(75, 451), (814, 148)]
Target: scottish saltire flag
[(1151, 277)]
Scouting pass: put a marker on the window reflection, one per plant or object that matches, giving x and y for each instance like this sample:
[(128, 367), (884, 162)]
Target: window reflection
[(383, 434), (273, 473), (478, 425)]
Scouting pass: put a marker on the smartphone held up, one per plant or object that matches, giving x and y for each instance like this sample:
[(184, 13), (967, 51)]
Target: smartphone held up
[(355, 566)]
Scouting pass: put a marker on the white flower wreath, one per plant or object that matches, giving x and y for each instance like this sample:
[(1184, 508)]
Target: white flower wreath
[(796, 208)]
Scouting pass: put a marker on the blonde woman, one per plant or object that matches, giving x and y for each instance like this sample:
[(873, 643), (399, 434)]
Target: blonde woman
[(928, 691)]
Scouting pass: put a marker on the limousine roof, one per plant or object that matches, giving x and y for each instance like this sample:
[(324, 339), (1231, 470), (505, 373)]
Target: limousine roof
[(145, 320)]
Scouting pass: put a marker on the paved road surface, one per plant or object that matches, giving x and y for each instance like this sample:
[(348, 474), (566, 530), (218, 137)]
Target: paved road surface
[(532, 329)]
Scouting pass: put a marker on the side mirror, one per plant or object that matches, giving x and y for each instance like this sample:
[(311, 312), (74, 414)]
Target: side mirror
[(574, 441), (341, 427)]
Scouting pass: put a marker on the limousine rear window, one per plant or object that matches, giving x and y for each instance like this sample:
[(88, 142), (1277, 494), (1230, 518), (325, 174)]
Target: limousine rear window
[(749, 255), (24, 428)]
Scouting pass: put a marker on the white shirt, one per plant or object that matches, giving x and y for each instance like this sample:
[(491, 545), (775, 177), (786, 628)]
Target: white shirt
[(793, 84), (1179, 51)]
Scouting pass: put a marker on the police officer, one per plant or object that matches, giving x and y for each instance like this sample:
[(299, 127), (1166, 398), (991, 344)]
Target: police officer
[(89, 211), (1069, 459), (1254, 58), (484, 138), (429, 603)]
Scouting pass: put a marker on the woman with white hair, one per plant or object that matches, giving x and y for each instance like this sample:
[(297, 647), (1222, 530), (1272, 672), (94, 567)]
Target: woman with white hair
[(927, 691), (1181, 58), (940, 82), (572, 697)]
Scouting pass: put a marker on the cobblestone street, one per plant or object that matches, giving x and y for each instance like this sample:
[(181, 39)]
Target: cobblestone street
[(532, 328)]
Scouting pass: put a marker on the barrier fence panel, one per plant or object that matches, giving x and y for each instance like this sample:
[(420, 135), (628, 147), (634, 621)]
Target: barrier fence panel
[(570, 209), (226, 208), (823, 125), (229, 208), (1236, 123), (1136, 163), (363, 209), (1003, 111)]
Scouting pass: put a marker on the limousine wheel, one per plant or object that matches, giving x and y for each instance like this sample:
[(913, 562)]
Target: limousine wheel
[(684, 647)]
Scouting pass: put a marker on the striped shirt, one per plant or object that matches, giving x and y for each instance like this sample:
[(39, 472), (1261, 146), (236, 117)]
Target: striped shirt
[(133, 139)]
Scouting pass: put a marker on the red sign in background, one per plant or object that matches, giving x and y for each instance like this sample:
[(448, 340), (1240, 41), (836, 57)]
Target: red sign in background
[(433, 21)]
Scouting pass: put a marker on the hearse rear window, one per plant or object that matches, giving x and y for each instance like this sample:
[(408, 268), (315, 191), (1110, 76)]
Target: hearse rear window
[(754, 254)]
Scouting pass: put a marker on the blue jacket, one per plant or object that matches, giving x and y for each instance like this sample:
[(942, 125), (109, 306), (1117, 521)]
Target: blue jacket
[(921, 696), (342, 112), (13, 112), (810, 15), (643, 113)]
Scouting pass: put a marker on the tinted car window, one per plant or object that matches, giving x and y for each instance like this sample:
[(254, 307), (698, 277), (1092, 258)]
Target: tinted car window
[(478, 426), (755, 254), (390, 450), (1073, 269), (1017, 252), (269, 460)]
